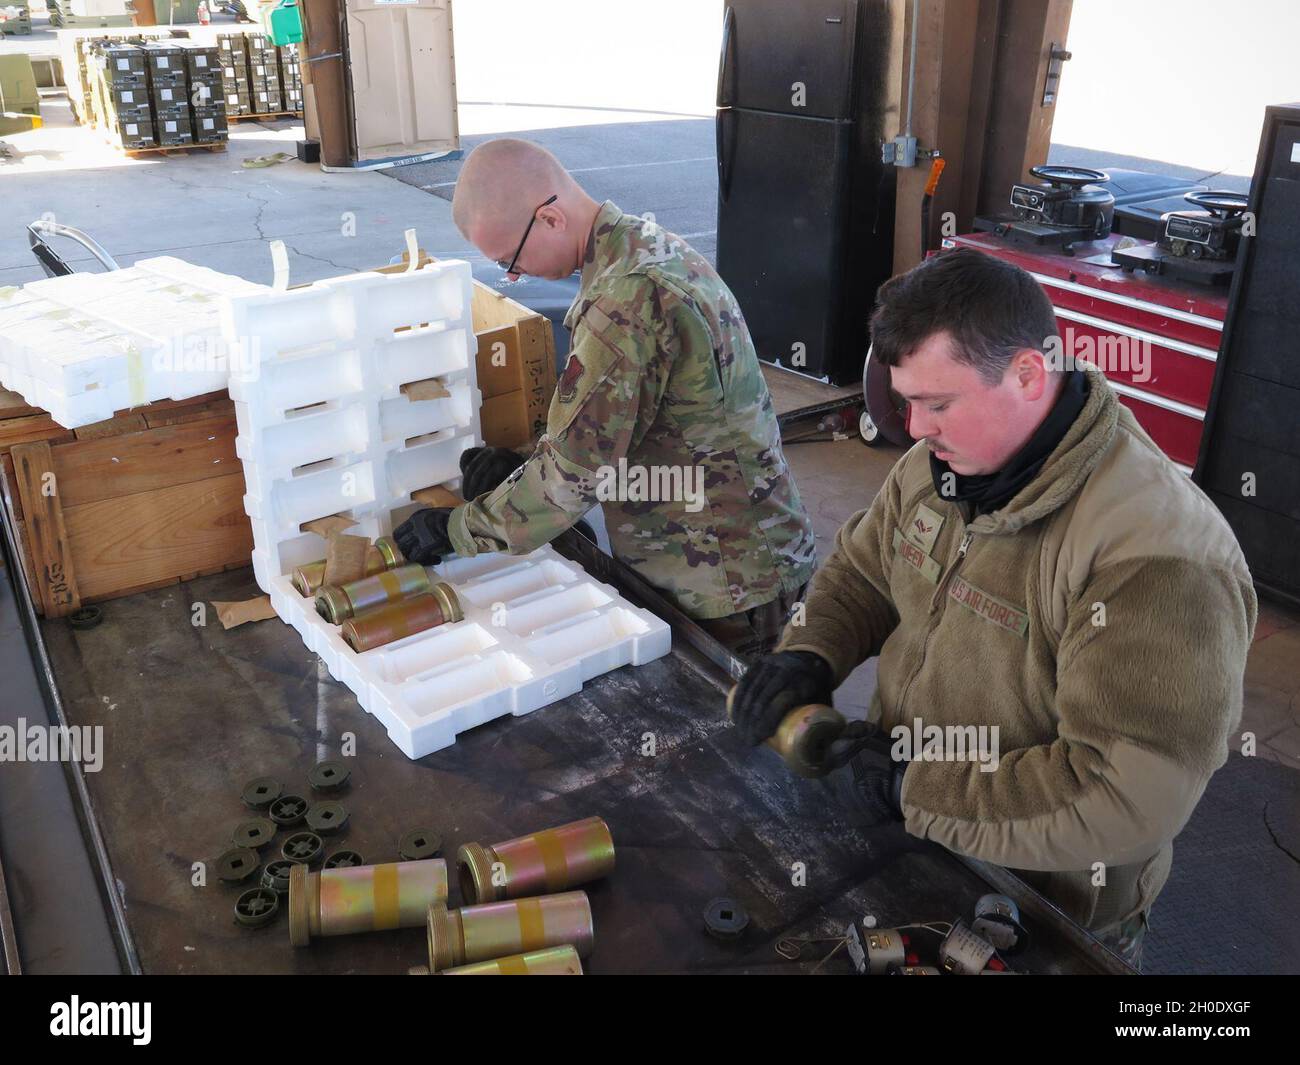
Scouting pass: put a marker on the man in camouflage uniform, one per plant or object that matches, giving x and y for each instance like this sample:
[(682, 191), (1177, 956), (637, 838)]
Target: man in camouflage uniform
[(661, 412)]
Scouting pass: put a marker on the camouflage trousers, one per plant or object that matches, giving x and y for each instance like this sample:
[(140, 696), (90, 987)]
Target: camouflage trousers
[(1127, 939), (754, 632)]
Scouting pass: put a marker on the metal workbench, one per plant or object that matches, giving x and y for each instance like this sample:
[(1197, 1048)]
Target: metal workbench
[(192, 712)]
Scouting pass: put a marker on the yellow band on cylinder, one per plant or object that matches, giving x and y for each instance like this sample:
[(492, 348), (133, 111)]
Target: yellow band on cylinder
[(552, 852), (513, 965), (387, 910), (532, 925)]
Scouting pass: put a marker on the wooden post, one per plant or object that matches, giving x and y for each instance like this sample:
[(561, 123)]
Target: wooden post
[(980, 72), (56, 579), (1019, 123)]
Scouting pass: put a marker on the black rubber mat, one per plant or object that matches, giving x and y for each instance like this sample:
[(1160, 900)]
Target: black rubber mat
[(1231, 901)]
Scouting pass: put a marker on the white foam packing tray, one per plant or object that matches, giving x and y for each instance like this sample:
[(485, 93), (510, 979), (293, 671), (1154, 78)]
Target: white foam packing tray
[(536, 628), (86, 345), (325, 429)]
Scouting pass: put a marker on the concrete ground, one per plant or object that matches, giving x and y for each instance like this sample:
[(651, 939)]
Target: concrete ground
[(212, 210)]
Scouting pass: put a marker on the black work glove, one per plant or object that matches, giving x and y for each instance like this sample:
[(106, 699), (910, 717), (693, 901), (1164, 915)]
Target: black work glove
[(869, 789), (423, 536), (775, 685), (484, 468)]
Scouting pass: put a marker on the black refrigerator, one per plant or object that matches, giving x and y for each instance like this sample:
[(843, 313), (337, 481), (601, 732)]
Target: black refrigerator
[(1249, 462), (805, 205)]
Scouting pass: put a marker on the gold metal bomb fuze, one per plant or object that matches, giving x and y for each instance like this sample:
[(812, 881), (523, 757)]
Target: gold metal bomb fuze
[(363, 898), (804, 737), (554, 859), (387, 624), (500, 929), (382, 555), (337, 603)]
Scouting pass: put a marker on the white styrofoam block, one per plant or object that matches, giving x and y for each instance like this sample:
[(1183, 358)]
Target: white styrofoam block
[(324, 428), (536, 628), (88, 344)]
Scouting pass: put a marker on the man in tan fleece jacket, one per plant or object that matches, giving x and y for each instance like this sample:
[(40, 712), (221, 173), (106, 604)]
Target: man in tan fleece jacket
[(1034, 565)]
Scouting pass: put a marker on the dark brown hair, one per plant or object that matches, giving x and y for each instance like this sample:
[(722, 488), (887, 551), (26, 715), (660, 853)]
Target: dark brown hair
[(990, 308)]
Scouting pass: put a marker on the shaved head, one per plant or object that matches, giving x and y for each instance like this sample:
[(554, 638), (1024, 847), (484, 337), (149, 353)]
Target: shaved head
[(508, 188), (502, 180)]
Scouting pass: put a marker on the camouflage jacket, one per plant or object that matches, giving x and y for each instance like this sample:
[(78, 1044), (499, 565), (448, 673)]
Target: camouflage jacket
[(662, 416)]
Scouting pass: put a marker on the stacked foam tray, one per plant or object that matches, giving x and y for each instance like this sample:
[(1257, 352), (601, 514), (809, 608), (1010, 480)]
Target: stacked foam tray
[(88, 344), (325, 428)]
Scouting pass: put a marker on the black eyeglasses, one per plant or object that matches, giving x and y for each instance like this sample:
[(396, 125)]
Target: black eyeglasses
[(509, 268)]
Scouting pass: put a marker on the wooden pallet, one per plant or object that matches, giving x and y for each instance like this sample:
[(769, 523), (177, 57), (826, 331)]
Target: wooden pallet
[(262, 117), (146, 498), (171, 149)]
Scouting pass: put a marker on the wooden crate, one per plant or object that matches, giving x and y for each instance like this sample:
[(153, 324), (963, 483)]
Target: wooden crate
[(154, 495), (147, 498), (516, 368)]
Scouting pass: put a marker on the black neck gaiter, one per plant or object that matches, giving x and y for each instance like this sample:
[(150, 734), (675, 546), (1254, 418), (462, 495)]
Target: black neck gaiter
[(987, 492)]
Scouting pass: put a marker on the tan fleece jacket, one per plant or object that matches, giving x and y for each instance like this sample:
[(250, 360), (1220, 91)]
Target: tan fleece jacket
[(1100, 620)]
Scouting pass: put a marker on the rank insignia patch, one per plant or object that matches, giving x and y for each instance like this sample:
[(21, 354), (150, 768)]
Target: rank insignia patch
[(569, 379), (924, 528)]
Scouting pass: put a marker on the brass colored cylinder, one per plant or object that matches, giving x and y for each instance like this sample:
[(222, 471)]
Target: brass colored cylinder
[(804, 736), (387, 624), (363, 898), (382, 555), (499, 929), (337, 603), (554, 961), (542, 863)]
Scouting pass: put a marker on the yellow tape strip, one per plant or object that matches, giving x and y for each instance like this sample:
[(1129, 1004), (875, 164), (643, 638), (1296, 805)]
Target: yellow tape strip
[(552, 852), (512, 966), (135, 376), (532, 925), (387, 911)]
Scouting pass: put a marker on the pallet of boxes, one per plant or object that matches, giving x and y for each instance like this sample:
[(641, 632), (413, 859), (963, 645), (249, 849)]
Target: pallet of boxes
[(80, 69), (261, 80), (152, 95), (119, 94), (206, 94), (184, 87)]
